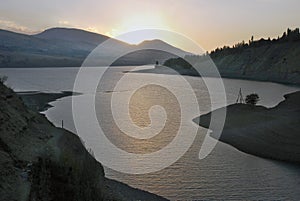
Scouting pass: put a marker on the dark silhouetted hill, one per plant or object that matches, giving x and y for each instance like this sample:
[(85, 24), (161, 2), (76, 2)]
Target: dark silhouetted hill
[(63, 47), (267, 132), (72, 35)]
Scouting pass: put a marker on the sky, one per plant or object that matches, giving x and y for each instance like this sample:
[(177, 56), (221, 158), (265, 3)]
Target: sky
[(210, 23)]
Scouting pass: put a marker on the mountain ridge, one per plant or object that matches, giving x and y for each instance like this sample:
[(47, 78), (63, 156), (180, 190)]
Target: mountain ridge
[(64, 47), (275, 60)]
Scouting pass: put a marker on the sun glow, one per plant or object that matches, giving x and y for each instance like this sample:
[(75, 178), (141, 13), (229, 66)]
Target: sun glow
[(130, 30), (139, 22)]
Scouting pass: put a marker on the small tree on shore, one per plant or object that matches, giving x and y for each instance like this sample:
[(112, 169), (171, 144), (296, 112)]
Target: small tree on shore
[(252, 99), (3, 79)]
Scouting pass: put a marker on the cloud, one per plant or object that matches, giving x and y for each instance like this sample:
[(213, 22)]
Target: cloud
[(13, 26), (66, 23), (112, 33), (63, 22), (92, 29)]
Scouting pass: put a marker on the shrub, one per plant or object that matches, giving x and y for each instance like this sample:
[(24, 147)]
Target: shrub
[(3, 79), (252, 99)]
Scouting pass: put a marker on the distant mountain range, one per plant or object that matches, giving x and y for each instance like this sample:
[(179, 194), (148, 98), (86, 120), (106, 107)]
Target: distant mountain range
[(64, 47)]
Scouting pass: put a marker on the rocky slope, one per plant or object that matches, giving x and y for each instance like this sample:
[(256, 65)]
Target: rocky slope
[(41, 162), (266, 132)]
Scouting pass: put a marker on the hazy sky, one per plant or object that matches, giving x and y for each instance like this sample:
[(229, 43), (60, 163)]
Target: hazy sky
[(211, 23)]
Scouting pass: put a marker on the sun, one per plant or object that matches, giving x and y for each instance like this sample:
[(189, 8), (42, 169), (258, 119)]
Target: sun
[(139, 22), (149, 26)]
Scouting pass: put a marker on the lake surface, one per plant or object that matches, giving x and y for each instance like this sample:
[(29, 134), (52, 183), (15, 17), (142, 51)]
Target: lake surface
[(226, 174)]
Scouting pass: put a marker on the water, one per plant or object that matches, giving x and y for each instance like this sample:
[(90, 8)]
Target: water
[(226, 174)]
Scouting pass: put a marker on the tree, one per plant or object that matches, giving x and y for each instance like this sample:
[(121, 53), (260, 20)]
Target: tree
[(3, 79), (284, 35), (251, 40), (252, 99)]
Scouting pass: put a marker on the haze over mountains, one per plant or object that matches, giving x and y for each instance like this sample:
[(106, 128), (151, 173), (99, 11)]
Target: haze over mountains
[(265, 59), (64, 47)]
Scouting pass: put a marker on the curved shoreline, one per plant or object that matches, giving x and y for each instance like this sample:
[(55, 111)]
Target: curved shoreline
[(39, 161), (39, 101), (266, 132), (164, 70)]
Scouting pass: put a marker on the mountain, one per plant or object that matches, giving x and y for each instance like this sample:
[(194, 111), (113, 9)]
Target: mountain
[(63, 47), (72, 35), (20, 50), (152, 51), (153, 44)]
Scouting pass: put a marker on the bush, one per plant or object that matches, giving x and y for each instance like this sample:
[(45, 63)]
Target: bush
[(252, 99), (3, 79)]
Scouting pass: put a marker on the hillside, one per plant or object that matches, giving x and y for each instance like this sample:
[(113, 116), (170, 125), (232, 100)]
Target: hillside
[(63, 47), (77, 36), (41, 162), (276, 60), (267, 132)]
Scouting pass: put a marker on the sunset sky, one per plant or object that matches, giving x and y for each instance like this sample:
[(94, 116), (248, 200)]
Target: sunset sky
[(211, 23)]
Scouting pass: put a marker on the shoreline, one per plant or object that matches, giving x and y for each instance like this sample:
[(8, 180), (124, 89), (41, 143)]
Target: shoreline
[(272, 133), (39, 160), (40, 101), (164, 70)]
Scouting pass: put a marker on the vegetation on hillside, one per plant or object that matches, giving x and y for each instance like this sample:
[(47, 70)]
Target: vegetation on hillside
[(288, 36), (252, 99), (275, 60)]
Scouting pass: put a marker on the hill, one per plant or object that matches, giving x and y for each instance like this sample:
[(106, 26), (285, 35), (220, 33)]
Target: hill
[(63, 47), (267, 132), (276, 60), (72, 35)]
